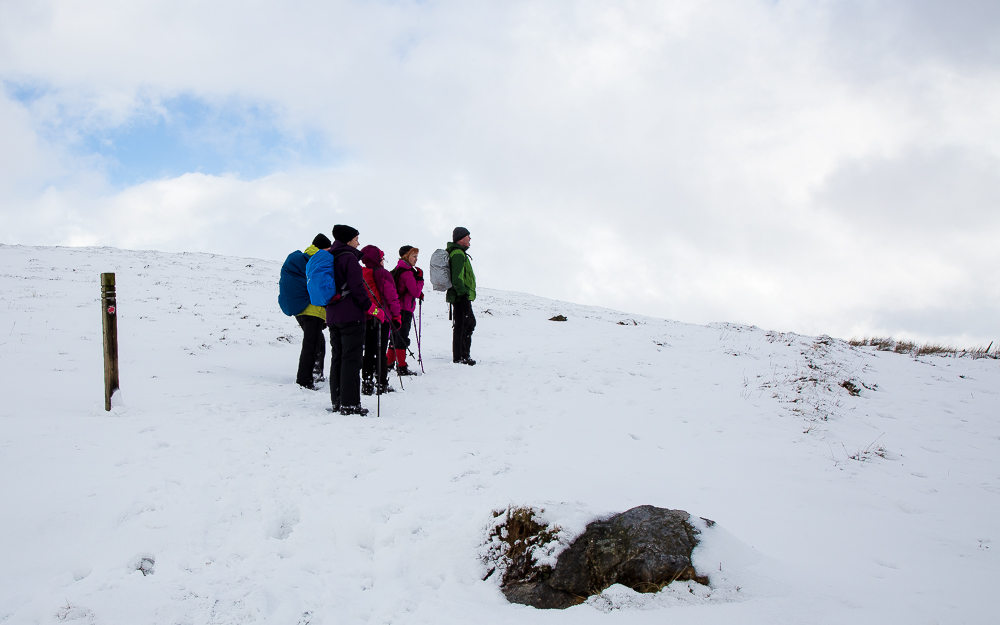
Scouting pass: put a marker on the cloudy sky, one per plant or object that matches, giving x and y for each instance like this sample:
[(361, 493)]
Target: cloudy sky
[(821, 166)]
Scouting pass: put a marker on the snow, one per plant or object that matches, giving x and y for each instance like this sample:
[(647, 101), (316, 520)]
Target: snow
[(217, 491)]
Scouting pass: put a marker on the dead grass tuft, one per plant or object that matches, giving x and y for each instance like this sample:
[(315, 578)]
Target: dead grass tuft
[(873, 450), (905, 347), (937, 349), (889, 344), (512, 542), (851, 388)]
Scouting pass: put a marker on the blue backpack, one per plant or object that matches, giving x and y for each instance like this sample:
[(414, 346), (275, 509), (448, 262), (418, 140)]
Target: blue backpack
[(293, 296), (321, 279)]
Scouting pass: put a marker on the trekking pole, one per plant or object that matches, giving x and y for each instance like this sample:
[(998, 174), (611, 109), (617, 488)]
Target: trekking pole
[(378, 302), (420, 319), (378, 370)]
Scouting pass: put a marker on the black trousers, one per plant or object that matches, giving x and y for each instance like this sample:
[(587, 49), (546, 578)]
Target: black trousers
[(375, 349), (347, 342), (465, 324), (313, 350), (401, 338)]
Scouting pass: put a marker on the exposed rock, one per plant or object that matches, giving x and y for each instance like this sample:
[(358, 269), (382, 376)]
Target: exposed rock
[(644, 548), (145, 563), (540, 595)]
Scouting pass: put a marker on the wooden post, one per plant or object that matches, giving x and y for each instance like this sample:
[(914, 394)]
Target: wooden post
[(110, 313)]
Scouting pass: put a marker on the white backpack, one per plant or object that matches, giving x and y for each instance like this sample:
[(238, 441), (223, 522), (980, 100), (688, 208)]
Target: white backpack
[(440, 270)]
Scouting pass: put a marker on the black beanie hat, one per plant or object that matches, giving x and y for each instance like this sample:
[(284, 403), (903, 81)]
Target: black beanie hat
[(403, 251), (322, 241), (344, 234), (459, 234)]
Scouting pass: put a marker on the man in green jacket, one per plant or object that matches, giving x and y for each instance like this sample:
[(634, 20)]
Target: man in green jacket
[(461, 295)]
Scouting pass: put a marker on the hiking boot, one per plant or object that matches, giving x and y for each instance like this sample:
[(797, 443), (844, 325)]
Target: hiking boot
[(404, 370), (367, 386), (466, 361), (310, 386), (358, 410), (384, 388)]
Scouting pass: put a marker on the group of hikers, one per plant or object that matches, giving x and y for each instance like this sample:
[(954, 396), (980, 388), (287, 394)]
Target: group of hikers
[(369, 310)]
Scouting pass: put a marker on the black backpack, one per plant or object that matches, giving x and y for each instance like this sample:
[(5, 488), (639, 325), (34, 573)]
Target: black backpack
[(399, 271)]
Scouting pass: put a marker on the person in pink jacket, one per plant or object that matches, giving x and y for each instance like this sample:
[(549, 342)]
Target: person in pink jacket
[(410, 288), (382, 291)]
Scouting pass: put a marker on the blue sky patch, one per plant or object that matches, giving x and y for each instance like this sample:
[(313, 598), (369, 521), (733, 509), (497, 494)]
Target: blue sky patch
[(192, 135), (23, 92), (173, 136)]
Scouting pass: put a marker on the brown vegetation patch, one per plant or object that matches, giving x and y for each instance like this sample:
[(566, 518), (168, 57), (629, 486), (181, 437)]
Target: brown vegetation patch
[(889, 344), (512, 542)]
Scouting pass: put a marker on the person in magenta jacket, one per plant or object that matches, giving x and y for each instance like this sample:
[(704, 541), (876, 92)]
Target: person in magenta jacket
[(410, 288), (382, 289)]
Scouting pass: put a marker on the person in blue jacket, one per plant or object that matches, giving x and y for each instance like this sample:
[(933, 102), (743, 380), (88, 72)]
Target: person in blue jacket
[(293, 297)]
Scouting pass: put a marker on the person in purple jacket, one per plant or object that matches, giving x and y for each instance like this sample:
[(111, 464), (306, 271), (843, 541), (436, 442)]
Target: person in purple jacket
[(346, 315), (410, 288), (383, 289)]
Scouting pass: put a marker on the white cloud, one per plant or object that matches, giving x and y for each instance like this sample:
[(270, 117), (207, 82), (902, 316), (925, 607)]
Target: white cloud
[(720, 160), (21, 157)]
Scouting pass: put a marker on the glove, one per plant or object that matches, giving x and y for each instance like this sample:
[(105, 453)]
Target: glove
[(377, 312), (421, 297), (397, 323), (420, 273)]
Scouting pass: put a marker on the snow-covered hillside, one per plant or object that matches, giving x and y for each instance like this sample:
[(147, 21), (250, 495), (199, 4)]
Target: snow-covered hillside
[(246, 501)]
